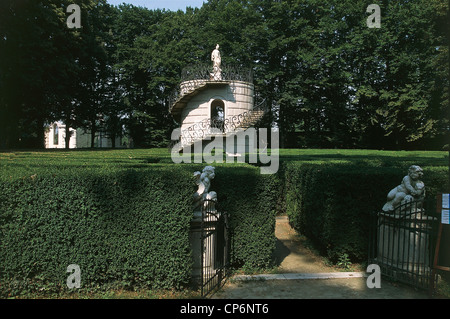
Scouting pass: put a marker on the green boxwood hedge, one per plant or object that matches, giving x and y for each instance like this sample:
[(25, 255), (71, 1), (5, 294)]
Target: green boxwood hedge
[(123, 216), (125, 226), (250, 199), (331, 203)]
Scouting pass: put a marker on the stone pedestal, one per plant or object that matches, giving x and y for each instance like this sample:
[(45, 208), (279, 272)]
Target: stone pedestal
[(207, 252), (195, 239)]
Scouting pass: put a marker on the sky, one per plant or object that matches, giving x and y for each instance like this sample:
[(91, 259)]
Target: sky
[(172, 5)]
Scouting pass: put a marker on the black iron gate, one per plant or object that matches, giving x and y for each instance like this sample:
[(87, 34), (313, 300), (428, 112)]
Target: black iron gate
[(214, 246), (402, 243)]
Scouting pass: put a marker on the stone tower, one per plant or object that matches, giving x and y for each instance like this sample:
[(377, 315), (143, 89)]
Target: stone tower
[(214, 101)]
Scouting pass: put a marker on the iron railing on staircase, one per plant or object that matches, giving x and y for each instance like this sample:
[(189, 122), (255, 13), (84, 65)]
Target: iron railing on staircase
[(197, 75), (213, 126)]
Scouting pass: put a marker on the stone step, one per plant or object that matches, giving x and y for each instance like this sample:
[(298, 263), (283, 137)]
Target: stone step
[(301, 276)]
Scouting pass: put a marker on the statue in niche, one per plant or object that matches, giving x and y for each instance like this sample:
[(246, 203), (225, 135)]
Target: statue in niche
[(411, 188), (203, 180), (217, 61)]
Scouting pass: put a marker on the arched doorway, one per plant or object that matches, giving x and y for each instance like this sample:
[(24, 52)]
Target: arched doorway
[(217, 114)]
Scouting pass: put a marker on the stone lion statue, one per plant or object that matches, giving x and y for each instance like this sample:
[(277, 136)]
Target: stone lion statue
[(411, 188)]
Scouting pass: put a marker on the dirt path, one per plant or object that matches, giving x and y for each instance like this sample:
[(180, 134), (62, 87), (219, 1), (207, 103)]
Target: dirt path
[(291, 255), (293, 258)]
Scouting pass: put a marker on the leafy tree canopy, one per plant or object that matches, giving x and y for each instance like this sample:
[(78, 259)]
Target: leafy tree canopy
[(330, 80)]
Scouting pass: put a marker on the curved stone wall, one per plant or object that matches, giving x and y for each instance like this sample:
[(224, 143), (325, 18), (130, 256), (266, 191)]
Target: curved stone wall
[(237, 96)]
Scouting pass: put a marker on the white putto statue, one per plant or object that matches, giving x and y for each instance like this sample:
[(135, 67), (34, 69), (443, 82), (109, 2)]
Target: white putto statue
[(203, 180), (411, 188), (217, 61)]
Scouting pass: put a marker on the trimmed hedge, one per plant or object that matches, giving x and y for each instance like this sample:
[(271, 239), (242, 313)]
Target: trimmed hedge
[(123, 228), (125, 225), (250, 199), (123, 216), (331, 203)]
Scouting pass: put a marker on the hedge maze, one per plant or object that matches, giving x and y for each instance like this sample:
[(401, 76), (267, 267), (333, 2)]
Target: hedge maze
[(123, 216)]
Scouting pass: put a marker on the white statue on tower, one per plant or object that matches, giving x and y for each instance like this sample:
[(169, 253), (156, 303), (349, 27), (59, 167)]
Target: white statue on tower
[(217, 60)]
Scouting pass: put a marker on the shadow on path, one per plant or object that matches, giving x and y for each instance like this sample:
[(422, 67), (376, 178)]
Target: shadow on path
[(292, 257)]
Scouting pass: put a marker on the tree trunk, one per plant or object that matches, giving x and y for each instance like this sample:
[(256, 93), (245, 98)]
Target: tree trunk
[(67, 139), (40, 134), (93, 132), (113, 140)]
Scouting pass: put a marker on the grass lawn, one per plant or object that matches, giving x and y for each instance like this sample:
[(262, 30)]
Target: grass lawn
[(51, 160), (367, 157)]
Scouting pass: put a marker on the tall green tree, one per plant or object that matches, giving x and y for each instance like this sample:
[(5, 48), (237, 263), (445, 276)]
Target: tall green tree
[(329, 80), (40, 68), (135, 75), (394, 71), (35, 68), (96, 102)]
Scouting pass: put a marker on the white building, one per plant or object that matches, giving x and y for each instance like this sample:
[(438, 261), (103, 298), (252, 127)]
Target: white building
[(55, 137)]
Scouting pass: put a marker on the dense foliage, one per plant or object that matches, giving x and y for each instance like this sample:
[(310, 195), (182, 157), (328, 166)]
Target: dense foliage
[(331, 202), (122, 216), (250, 199), (126, 229), (330, 80)]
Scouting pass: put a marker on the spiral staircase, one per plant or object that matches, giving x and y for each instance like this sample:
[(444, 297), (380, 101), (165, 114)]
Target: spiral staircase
[(197, 79), (209, 129)]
